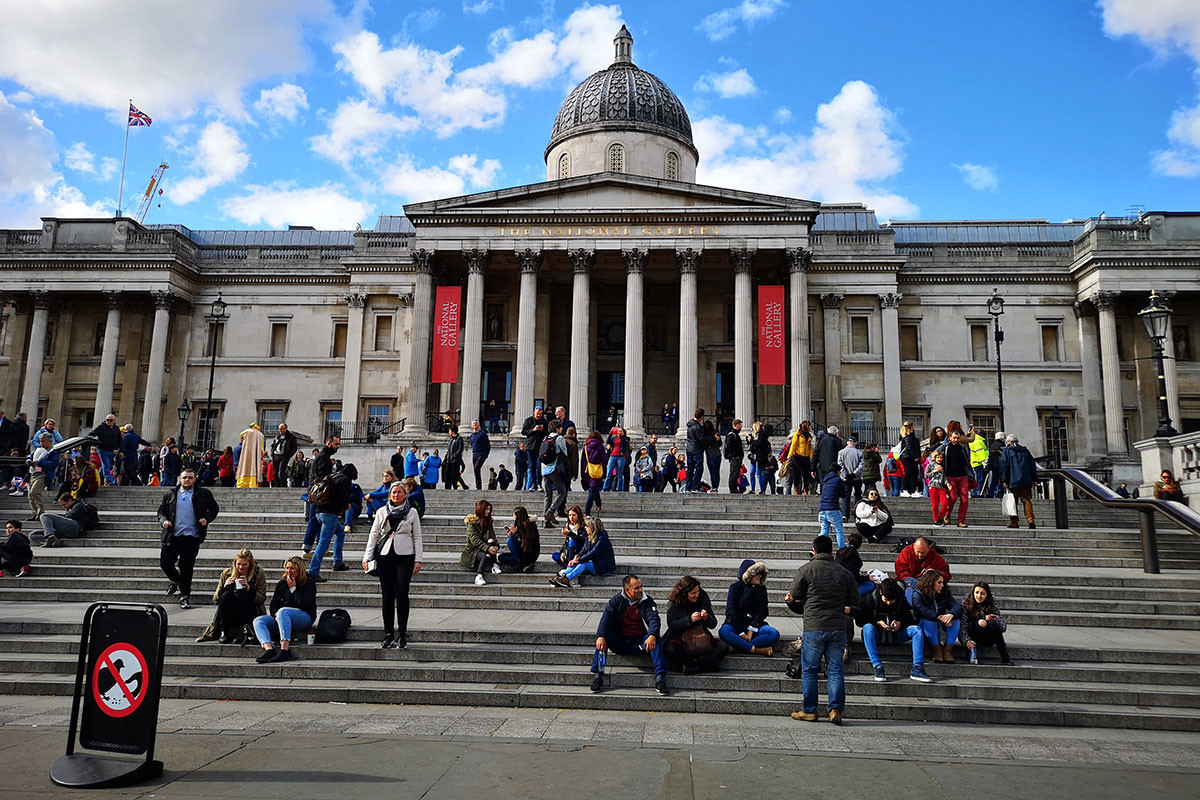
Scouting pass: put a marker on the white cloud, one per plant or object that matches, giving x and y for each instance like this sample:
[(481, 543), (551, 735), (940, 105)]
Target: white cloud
[(587, 45), (408, 181), (359, 130), (480, 6), (524, 62), (978, 177), (22, 98), (783, 115), (169, 57), (737, 83), (1166, 26), (282, 203), (218, 157), (282, 102), (80, 159), (722, 24), (30, 187), (849, 155)]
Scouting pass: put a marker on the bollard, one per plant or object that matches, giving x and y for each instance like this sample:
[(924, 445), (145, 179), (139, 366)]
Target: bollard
[(1149, 540), (1060, 503)]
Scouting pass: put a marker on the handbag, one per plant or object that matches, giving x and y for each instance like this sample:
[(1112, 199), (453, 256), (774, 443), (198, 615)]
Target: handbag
[(696, 641), (784, 468), (1009, 504), (595, 471)]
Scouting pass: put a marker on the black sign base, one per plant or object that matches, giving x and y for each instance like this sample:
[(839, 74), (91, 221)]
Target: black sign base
[(86, 771)]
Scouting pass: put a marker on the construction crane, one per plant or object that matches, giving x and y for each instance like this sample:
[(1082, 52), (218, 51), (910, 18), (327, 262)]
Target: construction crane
[(148, 195)]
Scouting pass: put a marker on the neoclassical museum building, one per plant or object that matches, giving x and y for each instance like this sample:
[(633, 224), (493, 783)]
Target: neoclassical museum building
[(618, 281)]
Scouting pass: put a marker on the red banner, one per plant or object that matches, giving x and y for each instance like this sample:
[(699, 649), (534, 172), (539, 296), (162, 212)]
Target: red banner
[(772, 354), (445, 334)]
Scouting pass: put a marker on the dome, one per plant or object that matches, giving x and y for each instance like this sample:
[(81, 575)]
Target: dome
[(624, 98)]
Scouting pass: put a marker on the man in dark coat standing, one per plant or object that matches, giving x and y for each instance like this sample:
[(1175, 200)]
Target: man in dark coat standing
[(184, 516), (129, 456), (19, 436), (534, 430), (826, 454), (481, 447), (283, 448)]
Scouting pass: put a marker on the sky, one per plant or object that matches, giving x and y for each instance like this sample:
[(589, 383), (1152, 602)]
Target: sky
[(331, 112)]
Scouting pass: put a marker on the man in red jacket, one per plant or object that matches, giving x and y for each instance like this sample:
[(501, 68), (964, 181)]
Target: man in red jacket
[(914, 560)]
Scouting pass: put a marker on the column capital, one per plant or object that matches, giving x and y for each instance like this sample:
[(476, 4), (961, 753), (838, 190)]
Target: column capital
[(1081, 308), (635, 260), (890, 300), (40, 298), (113, 300), (799, 259), (1106, 300), (162, 300), (742, 260), (530, 260), (477, 260), (832, 299), (688, 260), (582, 259), (356, 300), (423, 260)]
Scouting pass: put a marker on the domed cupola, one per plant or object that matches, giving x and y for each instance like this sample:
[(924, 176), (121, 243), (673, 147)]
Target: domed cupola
[(622, 119)]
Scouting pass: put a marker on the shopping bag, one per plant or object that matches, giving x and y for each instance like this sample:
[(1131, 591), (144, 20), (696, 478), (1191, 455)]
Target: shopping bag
[(1009, 504)]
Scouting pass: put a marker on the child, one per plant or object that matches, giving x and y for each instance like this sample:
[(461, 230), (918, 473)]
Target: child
[(939, 497), (893, 472), (493, 479)]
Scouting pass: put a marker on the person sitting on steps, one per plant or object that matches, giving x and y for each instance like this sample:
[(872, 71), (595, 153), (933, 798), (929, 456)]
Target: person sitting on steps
[(914, 560), (16, 553), (887, 618), (690, 617), (240, 598), (293, 608), (595, 556), (482, 548), (746, 608), (524, 542), (938, 614), (630, 626), (982, 623), (873, 519), (574, 534)]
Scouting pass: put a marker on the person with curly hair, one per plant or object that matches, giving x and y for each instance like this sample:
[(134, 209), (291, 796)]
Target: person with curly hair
[(689, 644)]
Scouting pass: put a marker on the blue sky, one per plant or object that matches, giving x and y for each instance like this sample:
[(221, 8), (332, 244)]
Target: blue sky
[(329, 113)]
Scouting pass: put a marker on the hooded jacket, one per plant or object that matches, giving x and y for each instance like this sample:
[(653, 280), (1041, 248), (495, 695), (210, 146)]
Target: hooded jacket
[(746, 606)]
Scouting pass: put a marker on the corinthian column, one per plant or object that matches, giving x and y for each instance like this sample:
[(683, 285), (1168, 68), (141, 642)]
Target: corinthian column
[(472, 374), (34, 361), (892, 413), (799, 260), (352, 371), (1110, 372), (152, 412), (635, 265), (422, 341), (688, 260), (108, 358), (581, 339), (743, 335), (831, 303), (530, 261)]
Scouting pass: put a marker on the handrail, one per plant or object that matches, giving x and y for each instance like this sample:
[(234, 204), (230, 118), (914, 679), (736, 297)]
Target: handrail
[(1184, 516)]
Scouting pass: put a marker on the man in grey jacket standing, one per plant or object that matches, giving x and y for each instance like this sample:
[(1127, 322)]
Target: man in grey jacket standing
[(850, 463), (825, 593)]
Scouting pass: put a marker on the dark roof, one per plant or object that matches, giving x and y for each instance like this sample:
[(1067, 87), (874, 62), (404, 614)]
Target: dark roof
[(267, 238)]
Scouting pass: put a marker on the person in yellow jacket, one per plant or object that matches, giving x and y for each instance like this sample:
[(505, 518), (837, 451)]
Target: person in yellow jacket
[(978, 445), (799, 456)]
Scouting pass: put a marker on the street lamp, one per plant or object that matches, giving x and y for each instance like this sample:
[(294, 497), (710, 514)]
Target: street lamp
[(1058, 424), (184, 411), (995, 307), (217, 317), (1157, 318)]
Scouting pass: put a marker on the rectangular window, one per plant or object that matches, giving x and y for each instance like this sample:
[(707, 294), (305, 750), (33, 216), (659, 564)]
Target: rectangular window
[(979, 342), (207, 423), (910, 342), (333, 421), (862, 424), (383, 333), (919, 419), (378, 418), (278, 339), (985, 426), (216, 329), (1064, 436), (270, 418), (1122, 353), (98, 339), (860, 335), (339, 339), (1050, 343)]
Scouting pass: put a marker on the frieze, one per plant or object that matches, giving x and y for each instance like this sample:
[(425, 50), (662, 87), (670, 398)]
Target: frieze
[(610, 230)]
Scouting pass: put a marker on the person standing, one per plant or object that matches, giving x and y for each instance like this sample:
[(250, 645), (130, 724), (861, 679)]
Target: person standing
[(712, 454), (329, 516), (411, 463), (395, 546), (1018, 472), (481, 448), (45, 462), (829, 511), (453, 464), (800, 459), (978, 445), (553, 466), (694, 449), (109, 437), (735, 453), (534, 430), (130, 442), (825, 593), (826, 452), (910, 451), (283, 449), (959, 475), (850, 466), (249, 468), (184, 516), (19, 436)]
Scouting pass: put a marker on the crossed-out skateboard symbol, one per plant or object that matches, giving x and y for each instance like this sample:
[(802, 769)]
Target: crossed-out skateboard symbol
[(119, 680)]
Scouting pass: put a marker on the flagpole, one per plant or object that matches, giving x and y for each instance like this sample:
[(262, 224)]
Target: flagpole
[(124, 153)]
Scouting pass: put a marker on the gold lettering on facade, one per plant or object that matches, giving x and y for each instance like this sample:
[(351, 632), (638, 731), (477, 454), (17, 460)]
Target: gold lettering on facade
[(612, 230)]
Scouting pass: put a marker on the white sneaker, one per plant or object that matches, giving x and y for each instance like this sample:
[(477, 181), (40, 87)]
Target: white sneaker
[(495, 569), (479, 581)]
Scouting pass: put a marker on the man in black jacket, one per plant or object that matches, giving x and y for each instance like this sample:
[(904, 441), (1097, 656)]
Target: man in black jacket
[(283, 448), (19, 436), (534, 430), (320, 466), (329, 516), (885, 616), (184, 515), (453, 464), (824, 592), (109, 436), (826, 454), (630, 626), (735, 454), (695, 450), (481, 448)]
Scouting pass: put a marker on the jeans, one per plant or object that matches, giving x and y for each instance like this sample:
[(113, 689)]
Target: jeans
[(106, 466), (331, 531), (980, 473), (593, 498), (280, 626), (832, 519), (615, 470), (714, 468), (735, 469), (61, 527), (584, 566), (872, 633), (960, 489), (185, 549), (894, 486), (937, 633), (533, 475), (765, 637), (556, 493), (754, 475), (624, 646), (831, 645), (695, 466)]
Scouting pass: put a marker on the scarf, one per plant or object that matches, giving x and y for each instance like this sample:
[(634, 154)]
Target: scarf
[(396, 514)]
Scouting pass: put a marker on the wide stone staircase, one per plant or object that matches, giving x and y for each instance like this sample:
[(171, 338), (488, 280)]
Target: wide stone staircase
[(1097, 642)]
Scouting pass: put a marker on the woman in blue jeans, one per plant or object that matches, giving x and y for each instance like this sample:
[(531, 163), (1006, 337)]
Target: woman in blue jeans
[(293, 609), (523, 542), (596, 556), (938, 613), (746, 629), (618, 459)]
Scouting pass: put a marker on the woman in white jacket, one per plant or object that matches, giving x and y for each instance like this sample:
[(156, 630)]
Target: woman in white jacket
[(873, 519), (395, 548)]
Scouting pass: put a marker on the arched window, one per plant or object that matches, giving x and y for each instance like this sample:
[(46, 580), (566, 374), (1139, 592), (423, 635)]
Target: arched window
[(616, 158), (672, 166), (564, 166)]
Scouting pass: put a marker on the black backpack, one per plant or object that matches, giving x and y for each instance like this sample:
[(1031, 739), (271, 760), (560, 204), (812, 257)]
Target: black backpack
[(93, 515), (933, 545), (333, 625), (549, 452)]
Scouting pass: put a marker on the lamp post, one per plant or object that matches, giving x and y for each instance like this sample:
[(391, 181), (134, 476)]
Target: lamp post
[(184, 411), (217, 317), (1058, 424), (995, 307), (1157, 318)]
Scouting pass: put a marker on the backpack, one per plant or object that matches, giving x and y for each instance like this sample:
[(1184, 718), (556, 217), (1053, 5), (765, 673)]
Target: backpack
[(933, 545), (93, 515), (548, 455), (890, 464), (332, 625)]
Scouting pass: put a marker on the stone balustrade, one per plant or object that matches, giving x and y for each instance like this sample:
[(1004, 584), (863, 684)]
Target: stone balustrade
[(1181, 455)]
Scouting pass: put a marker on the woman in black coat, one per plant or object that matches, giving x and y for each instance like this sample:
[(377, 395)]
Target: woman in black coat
[(746, 608), (293, 610), (910, 451), (690, 613)]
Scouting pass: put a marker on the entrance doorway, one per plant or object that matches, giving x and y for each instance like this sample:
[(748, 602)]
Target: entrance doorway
[(497, 395), (610, 391), (723, 413)]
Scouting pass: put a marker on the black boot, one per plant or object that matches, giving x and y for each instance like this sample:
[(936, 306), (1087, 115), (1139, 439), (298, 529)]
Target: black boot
[(1004, 657)]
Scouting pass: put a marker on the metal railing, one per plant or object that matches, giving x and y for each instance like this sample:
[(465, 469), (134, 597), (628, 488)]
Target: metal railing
[(366, 431), (1088, 486)]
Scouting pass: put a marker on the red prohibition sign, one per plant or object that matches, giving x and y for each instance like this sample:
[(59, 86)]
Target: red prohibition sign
[(118, 699)]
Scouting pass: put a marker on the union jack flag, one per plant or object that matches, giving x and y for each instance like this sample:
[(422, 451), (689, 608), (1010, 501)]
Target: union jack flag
[(137, 118)]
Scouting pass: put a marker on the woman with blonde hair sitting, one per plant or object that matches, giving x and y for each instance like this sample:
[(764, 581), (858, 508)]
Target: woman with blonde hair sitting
[(239, 597), (293, 608)]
